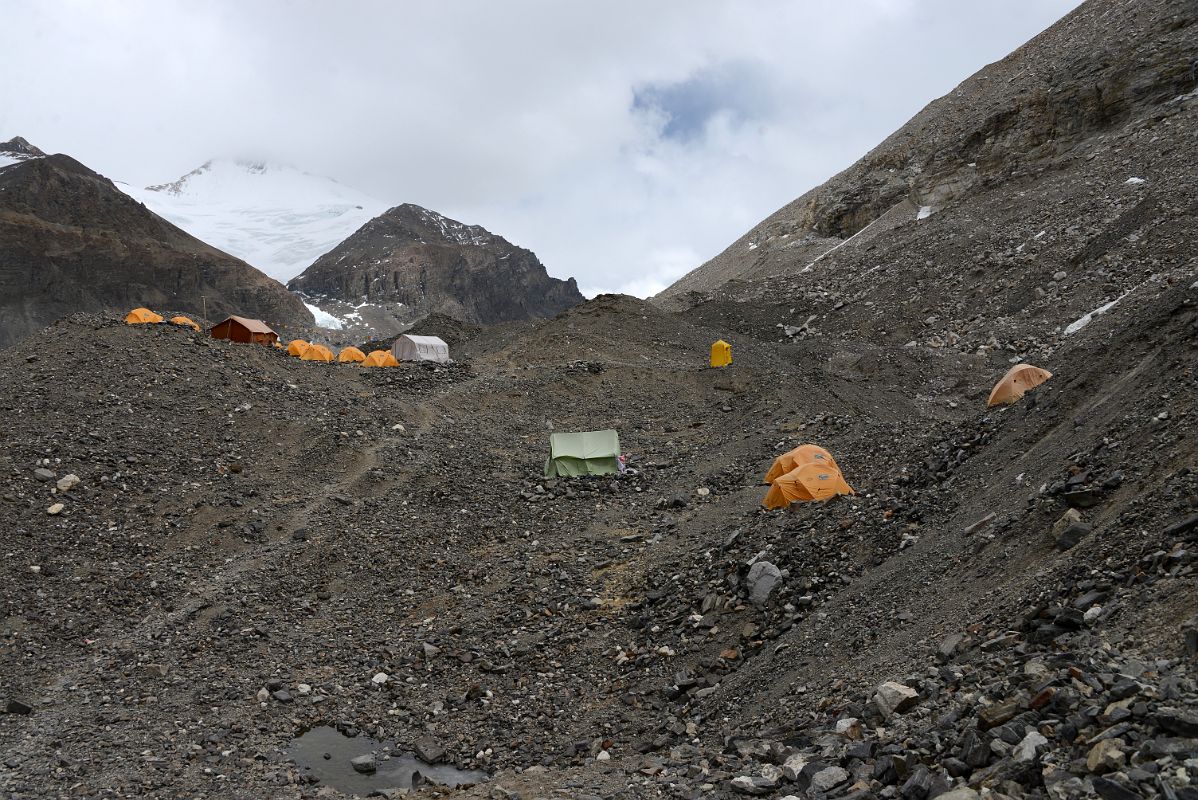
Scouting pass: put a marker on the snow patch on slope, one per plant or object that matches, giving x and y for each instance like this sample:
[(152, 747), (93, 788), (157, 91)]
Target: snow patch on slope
[(323, 318), (276, 218)]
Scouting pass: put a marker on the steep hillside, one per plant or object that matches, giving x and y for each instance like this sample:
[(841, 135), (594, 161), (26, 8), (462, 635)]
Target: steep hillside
[(274, 217), (215, 552), (70, 241), (1038, 164), (377, 550), (410, 262)]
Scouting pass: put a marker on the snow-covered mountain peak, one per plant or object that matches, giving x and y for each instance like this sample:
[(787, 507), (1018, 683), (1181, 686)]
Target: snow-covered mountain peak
[(276, 217), (16, 150)]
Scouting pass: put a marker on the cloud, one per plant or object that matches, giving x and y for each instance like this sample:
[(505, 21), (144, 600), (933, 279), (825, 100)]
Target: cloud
[(624, 144), (734, 91)]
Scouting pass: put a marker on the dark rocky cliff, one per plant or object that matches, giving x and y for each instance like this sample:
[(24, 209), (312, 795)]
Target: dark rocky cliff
[(418, 262)]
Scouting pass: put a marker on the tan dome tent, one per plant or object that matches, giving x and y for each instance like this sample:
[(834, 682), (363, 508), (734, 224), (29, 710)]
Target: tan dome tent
[(810, 482), (379, 358), (351, 355), (184, 322), (317, 352), (142, 316), (420, 348), (803, 454), (297, 347), (721, 354), (584, 453), (1015, 383)]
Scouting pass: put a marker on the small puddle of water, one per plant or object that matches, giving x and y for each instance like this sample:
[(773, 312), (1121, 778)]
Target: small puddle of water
[(325, 753)]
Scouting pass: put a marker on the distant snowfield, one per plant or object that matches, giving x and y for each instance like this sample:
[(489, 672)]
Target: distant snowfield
[(275, 218), (323, 318)]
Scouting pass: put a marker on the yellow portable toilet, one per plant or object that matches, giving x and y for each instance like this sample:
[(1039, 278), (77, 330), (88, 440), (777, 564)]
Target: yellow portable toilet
[(721, 354)]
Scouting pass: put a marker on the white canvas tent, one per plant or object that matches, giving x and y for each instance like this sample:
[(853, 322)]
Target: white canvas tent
[(420, 348)]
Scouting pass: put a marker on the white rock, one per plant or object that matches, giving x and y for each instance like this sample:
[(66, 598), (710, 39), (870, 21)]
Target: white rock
[(894, 697), (1092, 613), (603, 756), (68, 482), (1026, 749), (55, 509), (380, 678), (850, 727), (793, 765), (303, 688), (263, 695)]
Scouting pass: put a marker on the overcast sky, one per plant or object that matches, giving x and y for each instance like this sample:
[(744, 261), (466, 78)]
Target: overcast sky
[(624, 142)]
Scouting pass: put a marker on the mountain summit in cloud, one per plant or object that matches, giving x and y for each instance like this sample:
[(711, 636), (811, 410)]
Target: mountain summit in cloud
[(275, 217)]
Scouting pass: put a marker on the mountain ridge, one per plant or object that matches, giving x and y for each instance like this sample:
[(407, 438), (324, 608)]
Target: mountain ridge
[(71, 241), (410, 261)]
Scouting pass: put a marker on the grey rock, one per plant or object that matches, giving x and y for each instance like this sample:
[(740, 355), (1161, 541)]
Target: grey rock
[(366, 764), (1072, 536), (828, 778), (1110, 790), (15, 706), (43, 474), (1183, 723), (763, 577), (429, 750)]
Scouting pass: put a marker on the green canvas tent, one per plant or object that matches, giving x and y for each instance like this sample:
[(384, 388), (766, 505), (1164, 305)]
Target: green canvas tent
[(586, 453)]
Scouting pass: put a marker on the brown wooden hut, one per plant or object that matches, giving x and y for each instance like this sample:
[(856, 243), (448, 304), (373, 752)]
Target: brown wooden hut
[(245, 331)]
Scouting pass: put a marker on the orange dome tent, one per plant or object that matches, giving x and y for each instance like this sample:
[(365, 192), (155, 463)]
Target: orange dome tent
[(317, 352), (1015, 383), (380, 358), (803, 454), (142, 316), (811, 482), (184, 322), (297, 347), (351, 355)]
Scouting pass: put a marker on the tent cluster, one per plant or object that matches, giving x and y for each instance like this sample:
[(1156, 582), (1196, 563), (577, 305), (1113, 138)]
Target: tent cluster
[(311, 351), (144, 316), (807, 473), (406, 348)]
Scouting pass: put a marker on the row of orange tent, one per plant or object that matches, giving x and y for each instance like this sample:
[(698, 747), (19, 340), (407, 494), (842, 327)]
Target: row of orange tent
[(144, 316), (311, 351)]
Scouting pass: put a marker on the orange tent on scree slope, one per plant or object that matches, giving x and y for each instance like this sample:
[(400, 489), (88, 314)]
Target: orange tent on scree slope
[(803, 454), (1018, 380), (142, 316)]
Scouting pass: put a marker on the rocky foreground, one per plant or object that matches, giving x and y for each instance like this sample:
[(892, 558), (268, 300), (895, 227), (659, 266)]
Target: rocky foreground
[(212, 548)]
